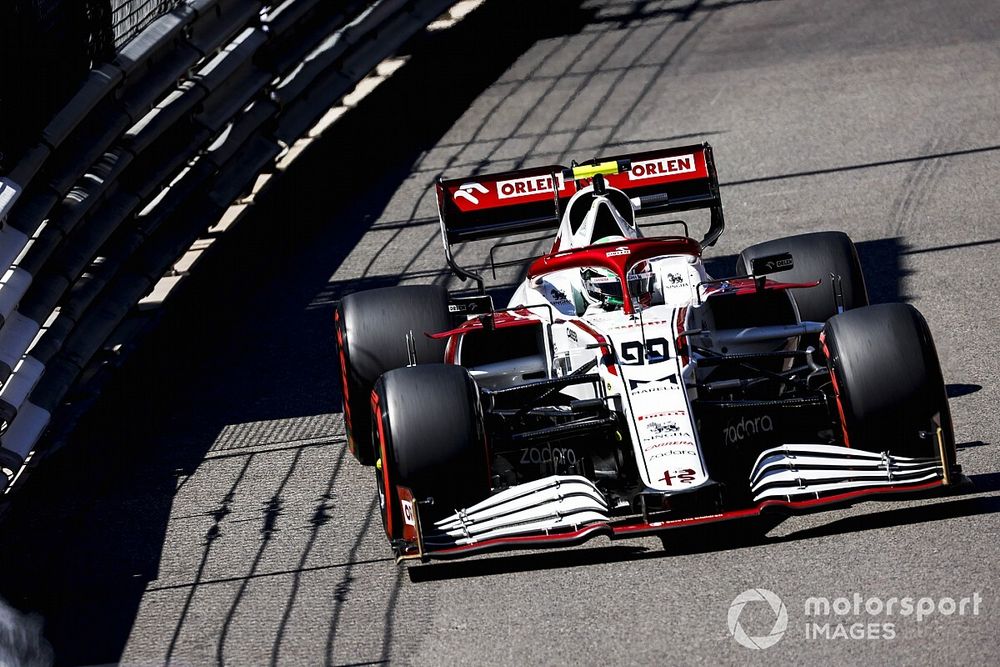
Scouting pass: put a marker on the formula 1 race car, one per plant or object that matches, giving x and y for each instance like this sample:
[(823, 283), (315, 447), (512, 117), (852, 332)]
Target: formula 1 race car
[(622, 390)]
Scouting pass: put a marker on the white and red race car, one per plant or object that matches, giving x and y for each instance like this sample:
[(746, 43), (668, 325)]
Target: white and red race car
[(623, 390)]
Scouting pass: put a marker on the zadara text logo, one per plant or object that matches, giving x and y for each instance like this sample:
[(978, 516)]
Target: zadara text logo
[(747, 427), (757, 595)]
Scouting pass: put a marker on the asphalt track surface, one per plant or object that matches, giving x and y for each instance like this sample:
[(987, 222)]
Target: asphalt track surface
[(207, 512)]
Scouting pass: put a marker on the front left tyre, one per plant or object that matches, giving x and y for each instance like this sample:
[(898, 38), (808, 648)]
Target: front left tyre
[(429, 437)]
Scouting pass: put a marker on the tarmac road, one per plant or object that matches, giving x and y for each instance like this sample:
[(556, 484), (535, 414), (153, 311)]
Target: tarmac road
[(208, 511)]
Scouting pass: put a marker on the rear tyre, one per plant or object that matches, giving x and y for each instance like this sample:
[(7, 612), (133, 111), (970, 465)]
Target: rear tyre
[(815, 256), (428, 431), (887, 381), (371, 329)]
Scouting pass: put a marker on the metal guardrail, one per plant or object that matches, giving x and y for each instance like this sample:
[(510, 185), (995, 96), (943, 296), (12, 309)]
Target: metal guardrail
[(201, 101), (127, 17)]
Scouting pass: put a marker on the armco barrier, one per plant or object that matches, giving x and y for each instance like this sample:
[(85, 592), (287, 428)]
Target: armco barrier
[(144, 158)]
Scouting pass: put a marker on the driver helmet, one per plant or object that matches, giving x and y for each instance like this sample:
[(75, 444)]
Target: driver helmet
[(599, 214), (603, 287)]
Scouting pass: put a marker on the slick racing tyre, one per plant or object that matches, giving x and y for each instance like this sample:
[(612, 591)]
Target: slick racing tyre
[(371, 329), (887, 381), (428, 432), (815, 257)]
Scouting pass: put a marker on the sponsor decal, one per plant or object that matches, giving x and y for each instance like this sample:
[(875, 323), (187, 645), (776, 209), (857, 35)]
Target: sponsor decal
[(558, 296), (636, 324), (528, 186), (665, 166), (747, 428), (652, 456), (571, 334), (467, 192), (469, 307), (675, 280), (684, 476), (470, 304), (621, 250), (548, 455), (662, 384), (662, 428), (675, 442), (654, 390), (771, 263), (408, 512), (670, 413)]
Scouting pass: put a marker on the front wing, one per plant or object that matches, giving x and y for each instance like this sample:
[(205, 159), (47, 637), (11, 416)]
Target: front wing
[(567, 510)]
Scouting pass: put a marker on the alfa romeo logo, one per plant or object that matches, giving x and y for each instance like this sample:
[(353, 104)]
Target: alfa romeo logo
[(780, 618)]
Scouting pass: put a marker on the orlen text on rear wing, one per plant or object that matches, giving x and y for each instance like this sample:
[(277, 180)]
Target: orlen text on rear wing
[(671, 180), (515, 202)]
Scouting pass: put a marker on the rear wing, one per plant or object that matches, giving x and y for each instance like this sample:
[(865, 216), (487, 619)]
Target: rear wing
[(526, 200)]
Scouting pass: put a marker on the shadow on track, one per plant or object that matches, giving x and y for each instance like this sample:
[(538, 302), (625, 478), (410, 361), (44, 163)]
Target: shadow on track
[(958, 390), (640, 12), (92, 526), (88, 531), (973, 443), (528, 562), (923, 513)]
